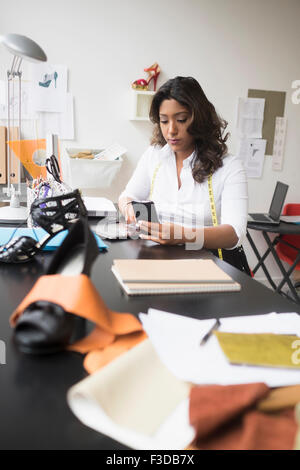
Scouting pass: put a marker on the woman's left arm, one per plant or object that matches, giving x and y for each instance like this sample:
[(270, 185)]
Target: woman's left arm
[(203, 237)]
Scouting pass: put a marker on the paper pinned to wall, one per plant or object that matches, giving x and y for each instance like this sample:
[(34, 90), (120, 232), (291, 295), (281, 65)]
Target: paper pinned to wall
[(61, 124), (250, 117), (279, 141), (252, 152), (26, 101), (49, 87), (2, 92), (274, 107)]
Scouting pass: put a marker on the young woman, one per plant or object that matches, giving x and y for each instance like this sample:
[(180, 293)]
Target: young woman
[(188, 173)]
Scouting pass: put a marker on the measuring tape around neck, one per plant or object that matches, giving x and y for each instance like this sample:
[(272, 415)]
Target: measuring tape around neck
[(213, 209), (153, 180)]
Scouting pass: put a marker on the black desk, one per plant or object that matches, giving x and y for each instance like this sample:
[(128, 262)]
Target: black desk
[(33, 410), (282, 229)]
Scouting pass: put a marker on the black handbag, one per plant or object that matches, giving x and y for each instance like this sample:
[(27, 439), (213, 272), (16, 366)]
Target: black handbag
[(236, 258)]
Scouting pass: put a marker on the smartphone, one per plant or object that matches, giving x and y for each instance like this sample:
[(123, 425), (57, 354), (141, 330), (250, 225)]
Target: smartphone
[(145, 210)]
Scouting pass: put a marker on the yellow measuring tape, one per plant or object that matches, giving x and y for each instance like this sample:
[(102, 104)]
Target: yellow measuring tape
[(153, 180), (213, 209)]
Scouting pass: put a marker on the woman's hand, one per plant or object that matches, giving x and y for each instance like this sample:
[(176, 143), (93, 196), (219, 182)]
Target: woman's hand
[(129, 214), (167, 234), (126, 208)]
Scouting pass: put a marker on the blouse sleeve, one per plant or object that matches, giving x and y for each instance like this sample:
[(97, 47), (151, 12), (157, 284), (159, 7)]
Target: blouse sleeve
[(138, 187), (234, 205)]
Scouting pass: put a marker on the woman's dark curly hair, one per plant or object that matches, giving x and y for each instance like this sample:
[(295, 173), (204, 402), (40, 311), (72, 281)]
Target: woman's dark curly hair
[(206, 127)]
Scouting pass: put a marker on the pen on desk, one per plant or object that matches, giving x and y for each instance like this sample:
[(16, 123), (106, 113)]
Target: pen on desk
[(206, 337)]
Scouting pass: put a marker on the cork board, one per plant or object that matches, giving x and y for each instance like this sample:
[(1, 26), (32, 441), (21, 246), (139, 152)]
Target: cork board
[(274, 106)]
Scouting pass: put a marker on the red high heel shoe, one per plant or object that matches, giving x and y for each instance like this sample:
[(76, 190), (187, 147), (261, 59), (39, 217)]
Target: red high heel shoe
[(153, 73)]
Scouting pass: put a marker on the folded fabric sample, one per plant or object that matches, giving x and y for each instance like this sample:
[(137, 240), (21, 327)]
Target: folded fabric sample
[(136, 401), (6, 233), (226, 418), (77, 295)]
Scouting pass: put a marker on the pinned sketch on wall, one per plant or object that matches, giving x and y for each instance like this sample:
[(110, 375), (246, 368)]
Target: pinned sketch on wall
[(250, 117), (45, 101), (279, 141), (252, 152), (26, 101), (2, 92), (49, 87), (274, 107), (61, 124)]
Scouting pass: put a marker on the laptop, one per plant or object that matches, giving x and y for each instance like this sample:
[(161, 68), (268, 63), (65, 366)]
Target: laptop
[(273, 217)]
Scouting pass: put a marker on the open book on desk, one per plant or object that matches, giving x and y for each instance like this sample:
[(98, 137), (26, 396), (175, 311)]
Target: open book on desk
[(165, 276)]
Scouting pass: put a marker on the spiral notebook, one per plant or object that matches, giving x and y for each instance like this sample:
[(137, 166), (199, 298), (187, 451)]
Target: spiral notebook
[(152, 276)]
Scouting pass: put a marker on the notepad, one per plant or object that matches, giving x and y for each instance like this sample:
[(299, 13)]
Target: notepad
[(149, 276), (290, 219), (266, 350)]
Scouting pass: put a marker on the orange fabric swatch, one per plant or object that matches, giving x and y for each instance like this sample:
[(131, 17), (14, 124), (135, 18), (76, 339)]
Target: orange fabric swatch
[(114, 332), (226, 418), (99, 358)]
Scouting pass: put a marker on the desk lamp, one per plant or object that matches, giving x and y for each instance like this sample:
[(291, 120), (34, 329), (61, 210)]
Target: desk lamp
[(22, 48)]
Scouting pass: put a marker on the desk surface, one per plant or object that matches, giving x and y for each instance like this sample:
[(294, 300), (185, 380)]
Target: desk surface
[(33, 409), (283, 228)]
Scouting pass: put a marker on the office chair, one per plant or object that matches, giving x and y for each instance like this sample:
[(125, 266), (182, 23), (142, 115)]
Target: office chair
[(285, 251)]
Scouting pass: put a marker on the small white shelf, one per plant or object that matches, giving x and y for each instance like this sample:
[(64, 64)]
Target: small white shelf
[(140, 104)]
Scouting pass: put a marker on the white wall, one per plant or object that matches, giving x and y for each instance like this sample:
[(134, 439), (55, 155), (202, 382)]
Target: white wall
[(228, 45)]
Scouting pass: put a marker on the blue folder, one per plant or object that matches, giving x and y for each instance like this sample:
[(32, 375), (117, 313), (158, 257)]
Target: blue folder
[(39, 233)]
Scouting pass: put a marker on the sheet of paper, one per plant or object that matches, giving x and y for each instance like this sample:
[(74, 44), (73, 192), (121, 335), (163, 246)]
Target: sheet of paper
[(250, 117), (279, 141), (61, 124), (49, 87), (26, 101), (176, 339), (2, 92), (252, 152), (290, 219)]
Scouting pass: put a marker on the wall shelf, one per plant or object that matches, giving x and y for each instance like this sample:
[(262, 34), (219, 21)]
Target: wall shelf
[(140, 104)]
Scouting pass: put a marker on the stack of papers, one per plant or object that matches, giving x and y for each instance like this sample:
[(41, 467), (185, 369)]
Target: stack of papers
[(153, 276), (176, 340)]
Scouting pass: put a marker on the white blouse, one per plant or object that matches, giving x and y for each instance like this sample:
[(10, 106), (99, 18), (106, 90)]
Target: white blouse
[(155, 177)]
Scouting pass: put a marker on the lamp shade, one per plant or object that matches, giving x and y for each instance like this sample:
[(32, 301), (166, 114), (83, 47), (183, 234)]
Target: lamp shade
[(24, 47)]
